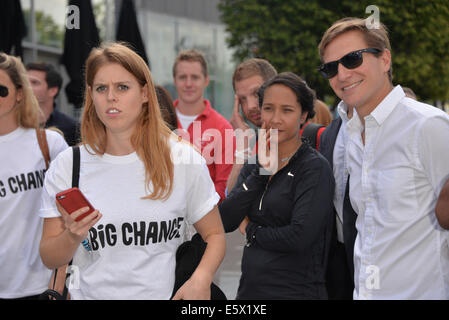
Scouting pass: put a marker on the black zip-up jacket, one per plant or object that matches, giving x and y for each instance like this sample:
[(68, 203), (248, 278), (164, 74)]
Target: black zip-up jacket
[(291, 218)]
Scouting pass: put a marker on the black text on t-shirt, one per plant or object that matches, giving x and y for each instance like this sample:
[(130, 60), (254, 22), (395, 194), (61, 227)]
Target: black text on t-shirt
[(140, 233), (22, 182)]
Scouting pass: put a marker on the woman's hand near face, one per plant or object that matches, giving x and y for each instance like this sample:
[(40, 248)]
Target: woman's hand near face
[(268, 149)]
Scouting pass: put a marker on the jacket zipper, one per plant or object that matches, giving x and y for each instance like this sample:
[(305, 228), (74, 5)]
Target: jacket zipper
[(266, 187), (263, 194)]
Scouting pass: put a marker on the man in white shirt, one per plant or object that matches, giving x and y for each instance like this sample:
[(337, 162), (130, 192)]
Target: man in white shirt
[(397, 159)]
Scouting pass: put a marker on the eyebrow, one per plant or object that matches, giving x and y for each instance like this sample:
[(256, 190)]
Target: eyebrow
[(118, 82), (255, 89), (282, 105), (251, 90), (33, 78)]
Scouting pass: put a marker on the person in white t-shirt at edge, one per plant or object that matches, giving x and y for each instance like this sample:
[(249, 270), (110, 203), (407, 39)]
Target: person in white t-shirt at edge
[(144, 183), (22, 172), (397, 158)]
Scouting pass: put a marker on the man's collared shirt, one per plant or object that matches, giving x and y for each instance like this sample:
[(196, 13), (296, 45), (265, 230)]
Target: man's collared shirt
[(213, 137), (400, 251)]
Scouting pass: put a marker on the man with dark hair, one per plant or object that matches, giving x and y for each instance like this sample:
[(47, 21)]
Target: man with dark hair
[(246, 81), (46, 83)]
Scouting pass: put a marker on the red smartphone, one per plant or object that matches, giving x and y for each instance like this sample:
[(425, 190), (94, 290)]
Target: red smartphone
[(72, 200)]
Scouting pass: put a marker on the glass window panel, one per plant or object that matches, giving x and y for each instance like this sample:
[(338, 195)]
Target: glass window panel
[(26, 9), (50, 22), (104, 13), (165, 36), (158, 33)]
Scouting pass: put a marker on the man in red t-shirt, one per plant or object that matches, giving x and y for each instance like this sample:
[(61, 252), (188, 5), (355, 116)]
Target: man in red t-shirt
[(205, 128)]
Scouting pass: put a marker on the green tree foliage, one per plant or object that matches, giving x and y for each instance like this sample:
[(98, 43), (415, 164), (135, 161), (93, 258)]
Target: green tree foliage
[(287, 33), (48, 31)]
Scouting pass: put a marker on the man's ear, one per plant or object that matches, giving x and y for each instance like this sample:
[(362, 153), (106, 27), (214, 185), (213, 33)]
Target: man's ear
[(386, 59), (52, 92), (303, 117)]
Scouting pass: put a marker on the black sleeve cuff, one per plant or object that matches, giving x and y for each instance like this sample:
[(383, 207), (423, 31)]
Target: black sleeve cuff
[(251, 230)]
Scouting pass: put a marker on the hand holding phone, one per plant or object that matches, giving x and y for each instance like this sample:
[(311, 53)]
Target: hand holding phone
[(72, 200)]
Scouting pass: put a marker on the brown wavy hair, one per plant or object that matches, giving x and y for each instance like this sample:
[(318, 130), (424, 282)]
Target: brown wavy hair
[(151, 137)]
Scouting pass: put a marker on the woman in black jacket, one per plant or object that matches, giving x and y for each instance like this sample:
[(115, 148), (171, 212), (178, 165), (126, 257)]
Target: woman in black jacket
[(289, 206)]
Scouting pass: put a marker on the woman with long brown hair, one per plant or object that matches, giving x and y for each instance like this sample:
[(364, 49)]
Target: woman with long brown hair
[(144, 181)]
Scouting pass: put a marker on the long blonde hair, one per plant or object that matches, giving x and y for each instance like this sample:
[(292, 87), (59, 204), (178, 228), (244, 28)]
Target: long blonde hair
[(151, 137), (27, 111)]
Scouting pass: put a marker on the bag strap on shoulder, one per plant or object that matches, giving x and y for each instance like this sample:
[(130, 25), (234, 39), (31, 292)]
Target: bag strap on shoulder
[(75, 183), (311, 133), (55, 295), (43, 145), (76, 166)]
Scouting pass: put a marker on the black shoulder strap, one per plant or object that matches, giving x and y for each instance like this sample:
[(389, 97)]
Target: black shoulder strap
[(75, 183), (76, 167), (310, 133)]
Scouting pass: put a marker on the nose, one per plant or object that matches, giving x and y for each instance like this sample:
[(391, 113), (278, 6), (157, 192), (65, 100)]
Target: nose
[(343, 72), (188, 81), (111, 94), (253, 103), (276, 118)]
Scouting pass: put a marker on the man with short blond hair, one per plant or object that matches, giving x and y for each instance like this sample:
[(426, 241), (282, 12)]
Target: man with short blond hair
[(397, 160), (205, 127)]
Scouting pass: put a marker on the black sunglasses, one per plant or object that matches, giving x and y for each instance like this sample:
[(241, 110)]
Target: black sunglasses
[(350, 61), (3, 91)]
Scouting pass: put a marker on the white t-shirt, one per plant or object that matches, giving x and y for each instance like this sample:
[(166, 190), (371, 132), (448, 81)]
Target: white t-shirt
[(185, 120), (22, 169), (135, 242)]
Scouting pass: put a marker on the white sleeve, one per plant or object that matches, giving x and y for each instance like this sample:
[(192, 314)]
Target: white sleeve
[(433, 150), (201, 195), (56, 143), (58, 178)]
